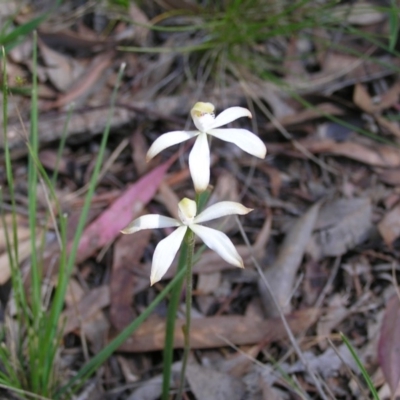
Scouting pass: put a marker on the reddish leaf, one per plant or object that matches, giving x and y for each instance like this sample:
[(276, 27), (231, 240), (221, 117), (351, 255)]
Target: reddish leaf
[(108, 225), (389, 344)]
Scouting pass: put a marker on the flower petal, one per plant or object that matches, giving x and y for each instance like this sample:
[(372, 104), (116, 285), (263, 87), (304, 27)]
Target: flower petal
[(218, 242), (150, 221), (221, 210), (247, 141), (165, 253), (199, 163), (229, 115), (168, 139)]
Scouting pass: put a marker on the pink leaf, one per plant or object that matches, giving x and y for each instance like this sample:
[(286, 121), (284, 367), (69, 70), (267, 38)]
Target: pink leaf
[(389, 343), (107, 226)]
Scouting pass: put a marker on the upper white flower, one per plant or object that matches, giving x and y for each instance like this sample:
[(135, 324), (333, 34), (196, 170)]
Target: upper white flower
[(206, 123), (166, 250)]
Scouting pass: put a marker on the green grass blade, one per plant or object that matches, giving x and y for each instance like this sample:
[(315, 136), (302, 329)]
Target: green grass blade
[(32, 190), (361, 367), (393, 25)]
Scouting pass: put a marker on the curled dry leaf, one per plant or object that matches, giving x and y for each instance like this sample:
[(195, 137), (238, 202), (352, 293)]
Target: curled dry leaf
[(389, 344), (61, 70), (389, 226)]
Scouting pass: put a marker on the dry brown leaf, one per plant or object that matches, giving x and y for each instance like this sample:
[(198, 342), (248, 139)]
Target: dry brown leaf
[(389, 176), (281, 275), (362, 98), (212, 332), (128, 250), (389, 345), (342, 224), (61, 70), (86, 309), (336, 312), (377, 155), (389, 226), (364, 101), (87, 80), (139, 149)]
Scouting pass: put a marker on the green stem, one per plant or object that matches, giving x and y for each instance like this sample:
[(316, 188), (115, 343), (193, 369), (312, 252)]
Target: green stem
[(186, 328), (170, 325)]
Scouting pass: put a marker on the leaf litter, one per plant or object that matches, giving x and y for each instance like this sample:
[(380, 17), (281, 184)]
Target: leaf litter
[(325, 234)]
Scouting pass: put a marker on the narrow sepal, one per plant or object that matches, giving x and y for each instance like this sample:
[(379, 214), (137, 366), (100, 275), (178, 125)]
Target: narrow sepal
[(165, 253), (222, 209), (218, 242), (150, 221)]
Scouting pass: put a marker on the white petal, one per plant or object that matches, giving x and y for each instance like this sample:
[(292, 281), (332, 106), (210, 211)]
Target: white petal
[(165, 253), (199, 163), (187, 210), (150, 221), (229, 115), (221, 210), (247, 141), (168, 139), (218, 242)]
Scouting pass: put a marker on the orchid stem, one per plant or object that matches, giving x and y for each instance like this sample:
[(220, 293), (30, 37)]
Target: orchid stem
[(170, 326), (186, 328)]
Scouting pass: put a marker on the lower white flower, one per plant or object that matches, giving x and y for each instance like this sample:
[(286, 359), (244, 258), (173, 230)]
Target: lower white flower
[(166, 250)]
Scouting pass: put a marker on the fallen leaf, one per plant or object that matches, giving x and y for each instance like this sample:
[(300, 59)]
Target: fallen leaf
[(281, 275), (108, 225), (85, 82), (86, 309), (377, 155), (328, 363), (207, 383), (389, 226), (389, 176), (212, 332), (389, 344), (342, 224), (128, 250), (61, 70)]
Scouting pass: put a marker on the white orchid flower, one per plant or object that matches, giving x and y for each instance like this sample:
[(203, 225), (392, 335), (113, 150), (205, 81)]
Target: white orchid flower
[(206, 123), (166, 250)]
